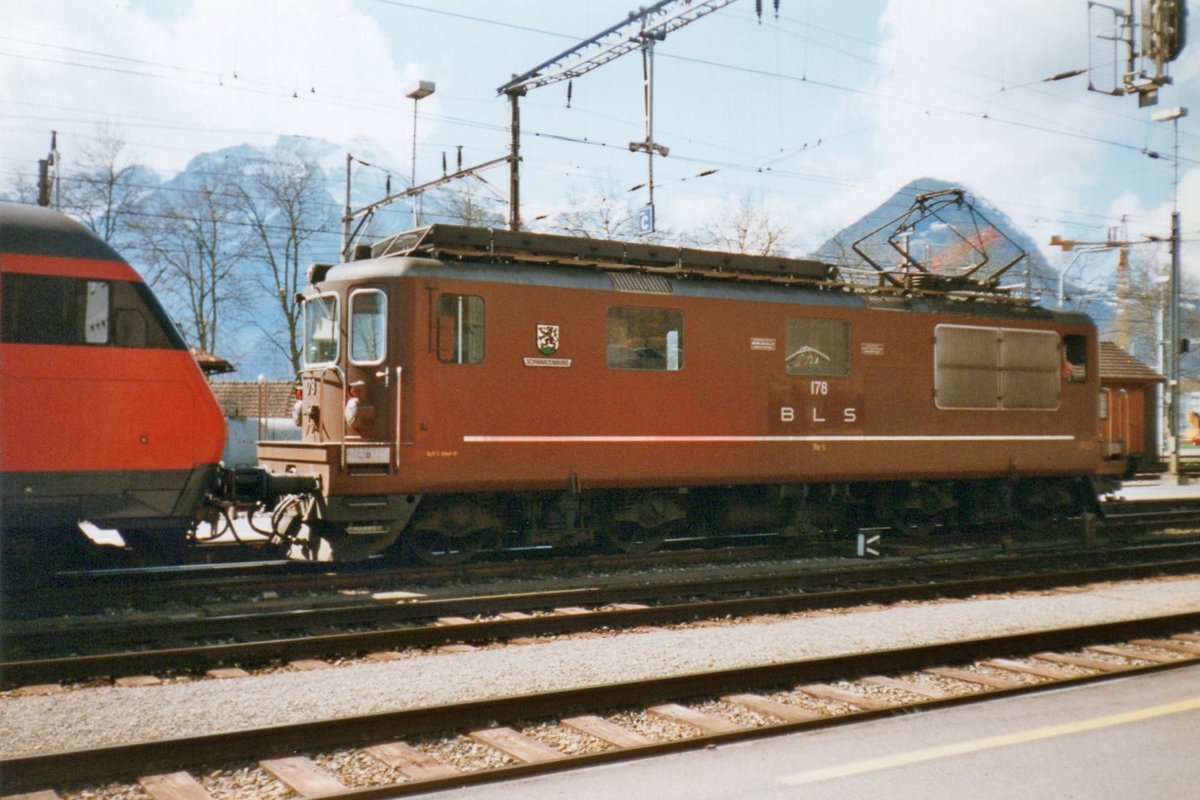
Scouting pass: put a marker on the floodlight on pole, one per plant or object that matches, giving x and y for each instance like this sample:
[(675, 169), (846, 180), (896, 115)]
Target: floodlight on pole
[(1173, 115), (418, 90)]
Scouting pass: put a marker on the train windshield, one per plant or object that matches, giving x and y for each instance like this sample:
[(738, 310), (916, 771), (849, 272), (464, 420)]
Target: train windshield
[(321, 329)]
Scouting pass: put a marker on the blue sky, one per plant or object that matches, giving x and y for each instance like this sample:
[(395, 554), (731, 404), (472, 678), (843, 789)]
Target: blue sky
[(817, 116)]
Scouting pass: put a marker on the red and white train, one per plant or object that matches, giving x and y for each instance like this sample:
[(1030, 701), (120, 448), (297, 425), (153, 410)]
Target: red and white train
[(104, 415)]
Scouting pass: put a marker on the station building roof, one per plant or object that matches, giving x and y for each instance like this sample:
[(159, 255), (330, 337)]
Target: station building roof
[(1118, 365)]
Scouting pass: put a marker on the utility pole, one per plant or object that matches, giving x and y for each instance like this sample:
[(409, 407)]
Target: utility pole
[(514, 163), (48, 192), (1163, 29), (654, 23), (346, 215), (1173, 115)]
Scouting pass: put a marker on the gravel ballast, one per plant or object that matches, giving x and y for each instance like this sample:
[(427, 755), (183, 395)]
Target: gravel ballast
[(110, 715)]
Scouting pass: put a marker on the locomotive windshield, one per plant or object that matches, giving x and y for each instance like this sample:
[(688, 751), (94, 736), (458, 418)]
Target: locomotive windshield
[(320, 329), (53, 309)]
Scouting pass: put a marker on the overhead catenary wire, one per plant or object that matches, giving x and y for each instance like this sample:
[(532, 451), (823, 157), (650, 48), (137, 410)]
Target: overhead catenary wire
[(801, 175)]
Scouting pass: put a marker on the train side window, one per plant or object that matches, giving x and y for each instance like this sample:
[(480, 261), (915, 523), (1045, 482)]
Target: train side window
[(1029, 364), (977, 367), (1074, 358), (137, 320), (368, 326), (817, 347), (460, 329), (645, 338), (51, 309), (43, 310), (321, 329), (95, 319)]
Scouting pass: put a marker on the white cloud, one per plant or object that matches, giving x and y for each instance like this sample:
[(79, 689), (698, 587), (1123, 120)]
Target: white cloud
[(1154, 220), (220, 73), (959, 96)]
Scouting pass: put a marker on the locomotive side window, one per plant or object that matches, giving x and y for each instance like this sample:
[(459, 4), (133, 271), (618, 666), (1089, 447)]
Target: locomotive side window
[(818, 347), (995, 368), (368, 326), (1029, 369), (645, 338), (460, 329), (321, 329), (50, 309), (1075, 358)]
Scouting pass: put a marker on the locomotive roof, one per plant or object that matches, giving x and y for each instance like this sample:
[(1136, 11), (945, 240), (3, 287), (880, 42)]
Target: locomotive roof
[(33, 230), (572, 262)]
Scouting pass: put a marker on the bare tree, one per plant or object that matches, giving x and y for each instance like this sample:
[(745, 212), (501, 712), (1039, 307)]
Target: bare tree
[(747, 228), (465, 203), (107, 191), (195, 241), (286, 205), (24, 189), (601, 214)]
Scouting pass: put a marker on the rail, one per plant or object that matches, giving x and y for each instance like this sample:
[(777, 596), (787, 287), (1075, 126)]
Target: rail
[(264, 637), (485, 720)]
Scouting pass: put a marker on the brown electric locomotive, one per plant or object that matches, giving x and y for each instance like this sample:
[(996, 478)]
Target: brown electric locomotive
[(467, 388)]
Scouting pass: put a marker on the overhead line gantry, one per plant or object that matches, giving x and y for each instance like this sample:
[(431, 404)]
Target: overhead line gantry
[(640, 30)]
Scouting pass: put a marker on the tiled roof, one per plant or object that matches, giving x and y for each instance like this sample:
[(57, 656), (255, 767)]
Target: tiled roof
[(210, 364), (251, 399), (1116, 364)]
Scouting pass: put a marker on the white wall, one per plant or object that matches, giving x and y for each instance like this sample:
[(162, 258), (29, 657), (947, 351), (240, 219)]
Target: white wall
[(241, 437)]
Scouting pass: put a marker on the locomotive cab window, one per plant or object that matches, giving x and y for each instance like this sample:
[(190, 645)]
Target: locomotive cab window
[(817, 347), (51, 309), (1074, 358), (321, 329), (368, 326), (460, 329), (645, 338)]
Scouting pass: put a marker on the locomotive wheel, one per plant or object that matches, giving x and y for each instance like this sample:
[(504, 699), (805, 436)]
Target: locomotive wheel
[(914, 522), (633, 539), (915, 509), (436, 549), (1041, 504)]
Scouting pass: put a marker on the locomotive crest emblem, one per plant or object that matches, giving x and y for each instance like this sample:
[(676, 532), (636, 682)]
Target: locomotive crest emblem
[(807, 357), (547, 339)]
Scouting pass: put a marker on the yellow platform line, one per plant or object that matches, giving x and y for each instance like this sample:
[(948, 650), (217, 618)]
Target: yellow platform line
[(988, 743)]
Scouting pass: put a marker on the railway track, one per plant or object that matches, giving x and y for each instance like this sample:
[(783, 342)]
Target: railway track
[(95, 591), (561, 730), (58, 651)]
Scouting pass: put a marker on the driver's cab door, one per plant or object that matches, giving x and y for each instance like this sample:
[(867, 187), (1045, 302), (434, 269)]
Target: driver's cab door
[(370, 408)]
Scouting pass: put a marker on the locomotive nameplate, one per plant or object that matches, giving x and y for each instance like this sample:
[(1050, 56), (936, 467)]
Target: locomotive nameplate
[(547, 362)]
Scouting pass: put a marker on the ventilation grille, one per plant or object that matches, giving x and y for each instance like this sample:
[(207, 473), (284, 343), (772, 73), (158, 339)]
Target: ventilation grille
[(639, 282)]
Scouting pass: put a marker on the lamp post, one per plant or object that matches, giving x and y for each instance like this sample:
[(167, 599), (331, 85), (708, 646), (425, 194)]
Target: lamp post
[(417, 91), (1173, 115)]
